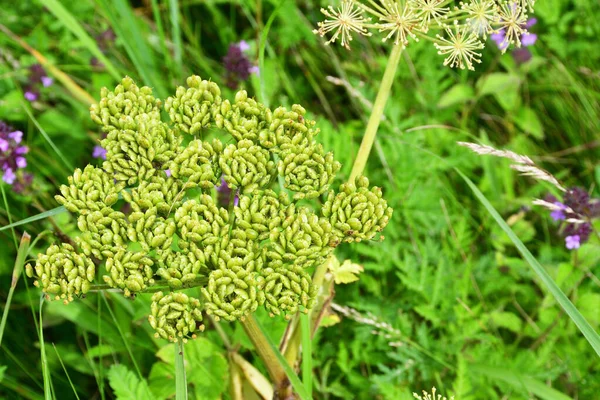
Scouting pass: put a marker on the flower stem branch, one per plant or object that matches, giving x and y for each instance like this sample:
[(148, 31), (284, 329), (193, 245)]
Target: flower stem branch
[(375, 119)]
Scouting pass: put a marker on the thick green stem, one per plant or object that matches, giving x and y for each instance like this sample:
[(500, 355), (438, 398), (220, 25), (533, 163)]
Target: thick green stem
[(376, 114), (264, 350)]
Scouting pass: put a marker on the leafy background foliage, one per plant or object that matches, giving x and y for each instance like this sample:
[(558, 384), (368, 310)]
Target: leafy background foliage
[(472, 317)]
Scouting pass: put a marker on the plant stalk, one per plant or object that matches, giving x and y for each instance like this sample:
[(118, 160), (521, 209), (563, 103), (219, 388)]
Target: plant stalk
[(19, 262), (180, 378), (264, 350), (375, 119)]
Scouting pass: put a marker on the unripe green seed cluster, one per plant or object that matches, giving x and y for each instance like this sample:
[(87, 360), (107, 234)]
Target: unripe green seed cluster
[(150, 218), (175, 315), (62, 272), (357, 213)]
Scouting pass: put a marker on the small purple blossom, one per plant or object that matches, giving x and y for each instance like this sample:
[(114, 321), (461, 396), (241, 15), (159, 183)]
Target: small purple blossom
[(47, 81), (530, 22), (500, 39), (9, 176), (559, 214), (168, 173), (12, 155), (17, 136), (31, 96), (21, 162), (572, 242), (244, 46), (99, 152), (528, 39)]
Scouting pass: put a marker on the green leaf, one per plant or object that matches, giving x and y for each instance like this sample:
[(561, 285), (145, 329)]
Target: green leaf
[(207, 369), (590, 334), (504, 87), (2, 370), (126, 384), (520, 382), (528, 121), (345, 273), (457, 94), (508, 320)]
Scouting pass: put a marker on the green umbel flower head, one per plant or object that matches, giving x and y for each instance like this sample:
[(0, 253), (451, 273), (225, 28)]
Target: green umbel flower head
[(150, 217)]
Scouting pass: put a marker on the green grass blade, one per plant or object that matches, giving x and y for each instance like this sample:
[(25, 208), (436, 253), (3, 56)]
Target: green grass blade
[(125, 24), (66, 372), (306, 353), (294, 380), (520, 382), (47, 138), (261, 51), (125, 341), (18, 268), (176, 34), (180, 378), (592, 337), (45, 369), (71, 23), (10, 223), (45, 214)]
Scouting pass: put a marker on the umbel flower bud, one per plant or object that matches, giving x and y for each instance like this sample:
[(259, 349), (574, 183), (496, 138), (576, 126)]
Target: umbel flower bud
[(149, 217)]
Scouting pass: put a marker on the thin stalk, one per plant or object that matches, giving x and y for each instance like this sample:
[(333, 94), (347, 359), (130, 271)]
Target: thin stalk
[(18, 268), (180, 378), (374, 120), (306, 353), (66, 372)]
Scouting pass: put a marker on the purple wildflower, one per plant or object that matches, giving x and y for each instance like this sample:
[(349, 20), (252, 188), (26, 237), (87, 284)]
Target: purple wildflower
[(99, 152), (31, 96), (168, 173), (577, 209), (47, 81), (500, 39), (12, 155), (237, 65), (559, 214), (9, 176), (224, 194), (572, 242), (528, 39)]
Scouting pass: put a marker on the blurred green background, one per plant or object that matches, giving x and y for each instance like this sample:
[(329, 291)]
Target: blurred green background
[(471, 317)]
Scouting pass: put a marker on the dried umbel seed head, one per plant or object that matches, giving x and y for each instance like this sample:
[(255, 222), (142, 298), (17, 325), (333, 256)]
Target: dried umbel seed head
[(175, 316), (62, 273), (150, 217)]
